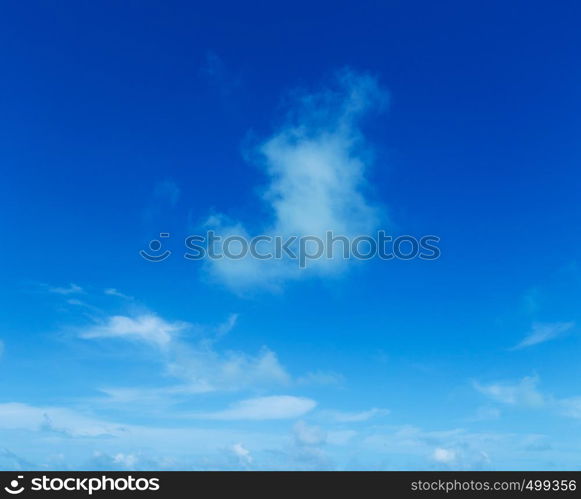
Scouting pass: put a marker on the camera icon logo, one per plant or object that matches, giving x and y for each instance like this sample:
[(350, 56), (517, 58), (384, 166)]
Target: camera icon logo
[(13, 488), (155, 247)]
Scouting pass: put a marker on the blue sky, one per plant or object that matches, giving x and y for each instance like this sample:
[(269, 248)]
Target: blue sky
[(122, 121)]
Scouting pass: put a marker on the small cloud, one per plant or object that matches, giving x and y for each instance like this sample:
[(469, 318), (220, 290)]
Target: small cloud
[(541, 333), (263, 408), (357, 417), (444, 456), (308, 435), (147, 328), (78, 303), (228, 371), (122, 461), (17, 416), (242, 453), (227, 326), (523, 393), (571, 407), (75, 302), (126, 461), (71, 289), (118, 294)]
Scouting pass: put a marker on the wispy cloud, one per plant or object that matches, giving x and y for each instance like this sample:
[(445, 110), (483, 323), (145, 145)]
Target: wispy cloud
[(523, 393), (306, 434), (227, 326), (571, 407), (204, 367), (542, 332), (91, 442), (71, 289), (147, 328), (263, 408), (196, 362), (356, 417), (117, 293), (242, 453), (17, 416)]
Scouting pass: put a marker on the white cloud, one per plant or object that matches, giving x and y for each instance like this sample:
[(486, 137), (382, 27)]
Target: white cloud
[(203, 370), (87, 442), (17, 416), (198, 364), (227, 326), (541, 333), (571, 407), (308, 435), (525, 394), (148, 328), (263, 408), (357, 417), (522, 393), (127, 461), (188, 352), (71, 289), (154, 397), (456, 449), (242, 453), (203, 366), (117, 293), (444, 456), (316, 167)]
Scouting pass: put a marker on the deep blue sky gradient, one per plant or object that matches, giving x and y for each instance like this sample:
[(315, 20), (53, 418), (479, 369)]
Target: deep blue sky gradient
[(101, 102)]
